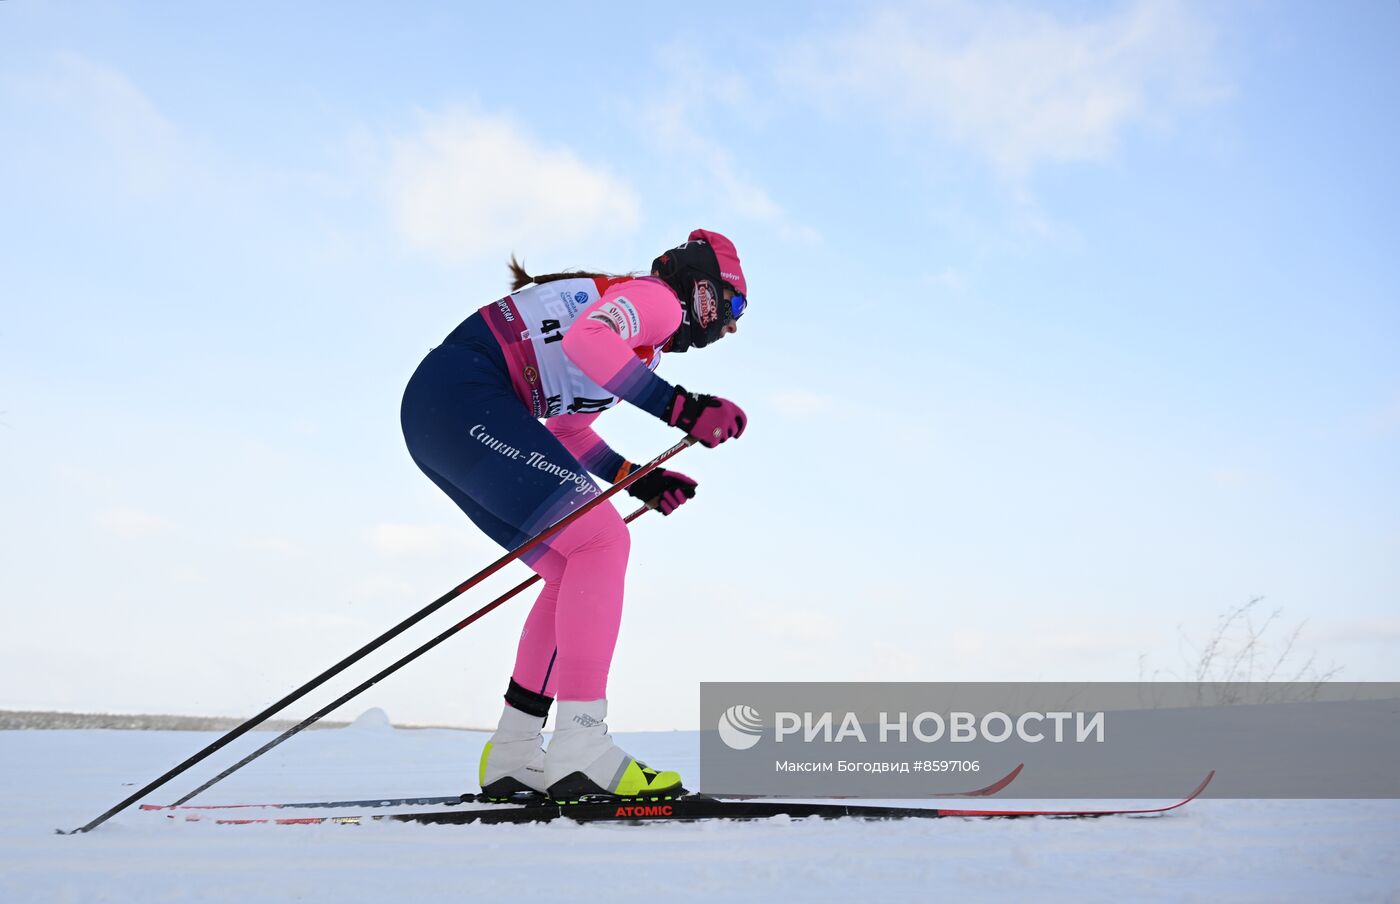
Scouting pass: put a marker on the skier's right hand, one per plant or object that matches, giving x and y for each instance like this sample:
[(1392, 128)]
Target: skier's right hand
[(709, 419)]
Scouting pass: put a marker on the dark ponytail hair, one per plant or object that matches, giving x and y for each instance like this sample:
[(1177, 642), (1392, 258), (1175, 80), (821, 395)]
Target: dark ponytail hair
[(519, 279)]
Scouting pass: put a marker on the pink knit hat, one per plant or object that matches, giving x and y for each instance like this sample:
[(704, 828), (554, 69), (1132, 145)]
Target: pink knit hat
[(729, 269)]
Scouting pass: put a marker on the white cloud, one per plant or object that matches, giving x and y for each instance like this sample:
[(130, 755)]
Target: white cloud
[(893, 661), (700, 101), (1385, 420), (410, 541), (1232, 478), (466, 185), (800, 403), (795, 625), (1017, 84), (136, 147), (130, 524), (407, 540), (1374, 631), (276, 547), (306, 622), (948, 279)]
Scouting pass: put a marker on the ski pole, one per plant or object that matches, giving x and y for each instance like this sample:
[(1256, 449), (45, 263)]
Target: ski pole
[(389, 635), (380, 676)]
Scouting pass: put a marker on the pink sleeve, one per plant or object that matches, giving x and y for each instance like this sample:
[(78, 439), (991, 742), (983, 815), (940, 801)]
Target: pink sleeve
[(575, 432), (636, 314)]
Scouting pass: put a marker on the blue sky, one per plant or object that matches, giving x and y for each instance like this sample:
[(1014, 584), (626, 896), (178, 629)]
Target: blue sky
[(1073, 326)]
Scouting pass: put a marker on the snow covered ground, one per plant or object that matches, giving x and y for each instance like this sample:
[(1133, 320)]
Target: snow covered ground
[(1210, 851)]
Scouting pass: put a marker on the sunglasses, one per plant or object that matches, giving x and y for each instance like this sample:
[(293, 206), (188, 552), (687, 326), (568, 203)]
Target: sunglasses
[(737, 305)]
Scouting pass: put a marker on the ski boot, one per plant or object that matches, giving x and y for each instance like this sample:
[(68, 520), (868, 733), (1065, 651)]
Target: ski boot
[(583, 764), (512, 764)]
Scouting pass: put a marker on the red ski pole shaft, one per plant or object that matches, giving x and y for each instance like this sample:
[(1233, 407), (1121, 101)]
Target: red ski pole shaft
[(378, 677), (390, 634)]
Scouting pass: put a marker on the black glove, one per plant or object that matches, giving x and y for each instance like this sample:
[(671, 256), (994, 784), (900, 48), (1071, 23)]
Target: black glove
[(664, 491)]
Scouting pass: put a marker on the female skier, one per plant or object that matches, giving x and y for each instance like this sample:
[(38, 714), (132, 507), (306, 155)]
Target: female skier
[(565, 347)]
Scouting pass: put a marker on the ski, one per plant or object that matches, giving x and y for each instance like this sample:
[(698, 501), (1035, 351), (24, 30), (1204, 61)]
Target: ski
[(455, 799), (445, 800), (994, 787), (691, 808)]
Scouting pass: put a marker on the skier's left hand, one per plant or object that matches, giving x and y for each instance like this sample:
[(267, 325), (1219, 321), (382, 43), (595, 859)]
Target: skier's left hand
[(664, 491)]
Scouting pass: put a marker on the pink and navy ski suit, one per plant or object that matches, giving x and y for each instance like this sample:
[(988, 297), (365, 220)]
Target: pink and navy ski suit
[(563, 351)]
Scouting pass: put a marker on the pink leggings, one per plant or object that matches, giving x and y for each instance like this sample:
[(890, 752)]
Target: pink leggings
[(568, 640), (471, 436)]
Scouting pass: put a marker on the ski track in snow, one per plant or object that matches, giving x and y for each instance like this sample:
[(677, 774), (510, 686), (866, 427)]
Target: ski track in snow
[(1211, 851)]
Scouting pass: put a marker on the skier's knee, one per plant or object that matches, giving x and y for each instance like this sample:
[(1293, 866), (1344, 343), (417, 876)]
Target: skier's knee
[(598, 530)]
